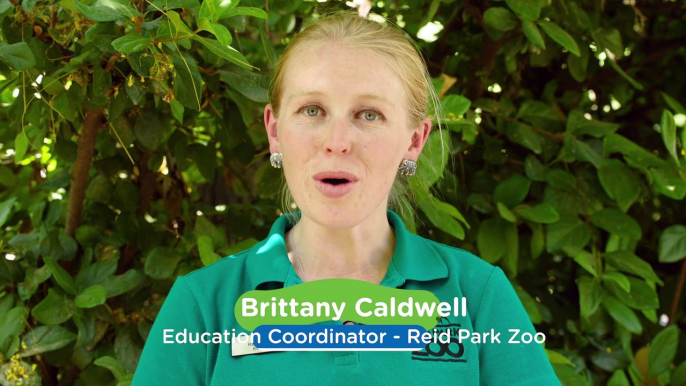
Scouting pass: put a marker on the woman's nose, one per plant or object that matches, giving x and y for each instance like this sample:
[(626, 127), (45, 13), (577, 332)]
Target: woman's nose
[(338, 137)]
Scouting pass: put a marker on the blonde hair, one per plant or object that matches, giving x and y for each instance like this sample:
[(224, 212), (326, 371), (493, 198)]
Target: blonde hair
[(394, 47)]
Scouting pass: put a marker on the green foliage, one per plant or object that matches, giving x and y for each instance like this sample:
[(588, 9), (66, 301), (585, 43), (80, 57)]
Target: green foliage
[(562, 161)]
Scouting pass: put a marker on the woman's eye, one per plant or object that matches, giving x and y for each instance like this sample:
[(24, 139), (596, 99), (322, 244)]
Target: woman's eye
[(369, 115), (312, 111)]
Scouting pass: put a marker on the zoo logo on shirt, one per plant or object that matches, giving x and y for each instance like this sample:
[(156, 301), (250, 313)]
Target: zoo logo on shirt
[(443, 351)]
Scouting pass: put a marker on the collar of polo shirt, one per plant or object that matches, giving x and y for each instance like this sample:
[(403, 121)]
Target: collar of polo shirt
[(413, 259)]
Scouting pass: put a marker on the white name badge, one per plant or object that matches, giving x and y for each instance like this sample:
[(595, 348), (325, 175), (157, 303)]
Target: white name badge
[(247, 348)]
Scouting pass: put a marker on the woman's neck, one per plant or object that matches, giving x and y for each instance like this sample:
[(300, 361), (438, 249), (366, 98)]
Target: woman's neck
[(362, 252)]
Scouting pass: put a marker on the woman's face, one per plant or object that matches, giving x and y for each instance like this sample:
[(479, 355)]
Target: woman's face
[(343, 130)]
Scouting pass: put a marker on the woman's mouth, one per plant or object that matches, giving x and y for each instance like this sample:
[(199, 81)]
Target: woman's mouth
[(335, 184)]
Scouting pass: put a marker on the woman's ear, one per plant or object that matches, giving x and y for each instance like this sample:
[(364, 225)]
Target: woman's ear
[(270, 125), (419, 137)]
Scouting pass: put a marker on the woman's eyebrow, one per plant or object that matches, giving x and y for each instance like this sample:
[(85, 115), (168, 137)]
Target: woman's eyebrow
[(319, 93), (304, 93), (377, 97)]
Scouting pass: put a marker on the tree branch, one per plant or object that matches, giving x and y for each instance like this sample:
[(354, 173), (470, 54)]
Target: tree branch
[(79, 176)]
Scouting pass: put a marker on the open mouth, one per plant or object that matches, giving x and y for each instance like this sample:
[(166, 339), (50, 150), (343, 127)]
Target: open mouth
[(335, 181), (334, 184)]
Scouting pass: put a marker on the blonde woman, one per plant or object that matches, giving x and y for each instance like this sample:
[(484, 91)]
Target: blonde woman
[(348, 114)]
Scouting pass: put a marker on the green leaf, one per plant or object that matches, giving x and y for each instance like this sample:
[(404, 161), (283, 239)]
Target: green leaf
[(500, 19), (205, 158), (61, 276), (54, 309), (668, 129), (617, 222), (149, 130), (166, 5), (131, 42), (619, 279), (624, 75), (626, 261), (433, 159), (99, 189), (219, 31), (530, 305), (668, 182), (662, 350), (679, 375), (267, 47), (541, 213), (208, 10), (539, 114), (557, 358), (117, 285), (568, 231), (96, 273), (533, 33), (526, 136), (207, 255), (179, 27), (505, 212), (583, 152), (52, 86), (17, 56), (529, 9), (252, 85), (611, 39), (490, 238), (590, 295), (5, 5), (204, 227), (620, 183), (33, 277), (672, 246), (12, 323), (585, 259), (618, 379), (615, 143), (177, 110), (245, 11), (6, 209), (511, 256), (578, 65), (161, 262), (641, 296), (440, 218), (187, 82), (91, 297), (224, 51), (674, 104), (568, 376), (46, 338), (513, 190), (622, 314), (112, 364), (454, 106), (107, 10), (560, 36)]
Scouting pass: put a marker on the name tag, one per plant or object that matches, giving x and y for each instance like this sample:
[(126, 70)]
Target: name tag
[(247, 348)]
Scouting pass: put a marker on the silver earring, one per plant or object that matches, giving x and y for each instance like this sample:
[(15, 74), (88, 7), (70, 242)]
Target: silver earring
[(408, 167), (275, 160)]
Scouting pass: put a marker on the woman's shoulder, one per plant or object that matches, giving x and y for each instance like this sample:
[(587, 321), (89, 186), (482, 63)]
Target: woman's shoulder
[(227, 273), (458, 258)]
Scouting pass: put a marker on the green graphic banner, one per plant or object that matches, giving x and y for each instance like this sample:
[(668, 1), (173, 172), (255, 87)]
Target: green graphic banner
[(344, 300)]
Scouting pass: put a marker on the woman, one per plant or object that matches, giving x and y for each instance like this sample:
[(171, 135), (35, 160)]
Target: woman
[(348, 113)]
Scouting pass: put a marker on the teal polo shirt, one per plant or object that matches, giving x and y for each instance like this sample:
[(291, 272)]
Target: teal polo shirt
[(204, 300)]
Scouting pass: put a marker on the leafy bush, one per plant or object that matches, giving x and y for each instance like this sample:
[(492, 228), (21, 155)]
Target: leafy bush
[(133, 151)]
